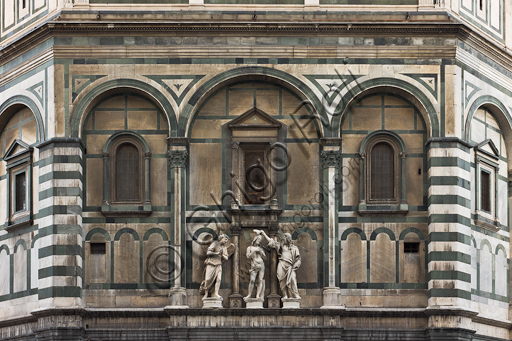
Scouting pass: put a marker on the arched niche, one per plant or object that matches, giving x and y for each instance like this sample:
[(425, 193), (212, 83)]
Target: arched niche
[(120, 86), (391, 86), (353, 257)]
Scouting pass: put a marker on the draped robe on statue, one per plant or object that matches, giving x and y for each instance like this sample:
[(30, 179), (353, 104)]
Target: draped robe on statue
[(288, 263), (212, 269)]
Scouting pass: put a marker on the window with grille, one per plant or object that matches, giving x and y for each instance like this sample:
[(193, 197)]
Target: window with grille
[(20, 192), (382, 172), (485, 190), (411, 247), (127, 173), (98, 249)]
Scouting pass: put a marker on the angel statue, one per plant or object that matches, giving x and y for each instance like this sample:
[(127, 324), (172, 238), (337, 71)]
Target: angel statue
[(256, 255), (289, 262), (216, 254)]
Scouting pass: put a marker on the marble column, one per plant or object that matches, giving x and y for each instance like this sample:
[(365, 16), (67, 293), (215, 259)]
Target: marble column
[(235, 299), (274, 299), (331, 148), (178, 158)]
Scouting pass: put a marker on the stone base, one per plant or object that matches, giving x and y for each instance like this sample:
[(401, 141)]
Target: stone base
[(212, 302), (274, 301), (235, 301), (253, 303), (332, 298), (178, 298), (291, 303)]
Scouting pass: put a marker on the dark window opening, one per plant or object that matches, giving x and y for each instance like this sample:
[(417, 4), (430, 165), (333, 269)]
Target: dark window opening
[(382, 172), (24, 4), (411, 247), (21, 192), (255, 181), (127, 173), (481, 5), (485, 190), (98, 249)]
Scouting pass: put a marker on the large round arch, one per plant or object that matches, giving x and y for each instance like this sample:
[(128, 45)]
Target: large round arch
[(114, 86), (310, 100), (393, 86), (499, 111), (14, 104)]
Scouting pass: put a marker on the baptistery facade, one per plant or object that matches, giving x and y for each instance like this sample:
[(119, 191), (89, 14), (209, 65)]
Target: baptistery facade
[(255, 170)]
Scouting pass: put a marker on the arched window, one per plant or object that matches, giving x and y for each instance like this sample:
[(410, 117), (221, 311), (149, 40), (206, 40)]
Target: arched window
[(126, 184), (383, 163), (382, 180), (127, 173)]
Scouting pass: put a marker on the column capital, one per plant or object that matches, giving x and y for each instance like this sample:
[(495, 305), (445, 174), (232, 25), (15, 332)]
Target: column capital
[(178, 158), (330, 158)]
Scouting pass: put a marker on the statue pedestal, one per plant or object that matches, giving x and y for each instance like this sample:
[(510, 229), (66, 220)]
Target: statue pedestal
[(178, 298), (253, 303), (273, 301), (212, 302), (291, 303)]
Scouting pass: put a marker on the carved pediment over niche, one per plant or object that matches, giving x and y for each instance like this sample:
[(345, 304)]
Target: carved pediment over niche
[(254, 118), (488, 148), (17, 148)]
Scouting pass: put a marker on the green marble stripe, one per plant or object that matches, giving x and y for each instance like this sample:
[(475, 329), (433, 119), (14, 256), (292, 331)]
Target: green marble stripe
[(72, 175), (60, 250), (60, 209), (125, 220), (449, 237), (448, 162), (438, 292), (60, 229), (449, 218), (126, 286), (449, 200), (18, 294), (489, 295), (53, 159), (410, 286), (71, 271), (52, 292), (450, 181), (449, 256), (449, 275), (60, 192), (253, 61), (383, 219)]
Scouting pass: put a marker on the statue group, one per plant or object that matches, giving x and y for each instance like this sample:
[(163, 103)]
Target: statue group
[(289, 261)]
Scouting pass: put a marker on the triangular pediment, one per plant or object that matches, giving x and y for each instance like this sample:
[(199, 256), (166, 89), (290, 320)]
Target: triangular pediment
[(16, 148), (489, 148), (254, 118)]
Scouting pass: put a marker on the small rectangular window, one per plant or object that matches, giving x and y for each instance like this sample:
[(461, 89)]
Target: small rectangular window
[(21, 192), (98, 249), (485, 191), (23, 4), (481, 5), (411, 247)]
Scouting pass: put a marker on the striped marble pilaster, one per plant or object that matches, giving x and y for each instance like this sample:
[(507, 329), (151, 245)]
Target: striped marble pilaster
[(60, 222), (449, 207)]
